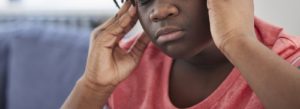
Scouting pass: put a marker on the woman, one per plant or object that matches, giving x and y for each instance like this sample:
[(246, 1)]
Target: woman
[(203, 54)]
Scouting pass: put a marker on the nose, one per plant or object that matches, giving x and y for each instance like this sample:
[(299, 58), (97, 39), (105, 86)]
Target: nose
[(163, 11)]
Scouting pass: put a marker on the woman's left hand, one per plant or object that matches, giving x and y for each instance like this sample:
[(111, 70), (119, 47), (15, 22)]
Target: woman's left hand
[(230, 19)]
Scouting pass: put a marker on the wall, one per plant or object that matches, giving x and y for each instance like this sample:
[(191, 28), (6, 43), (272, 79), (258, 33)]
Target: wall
[(280, 12), (284, 13)]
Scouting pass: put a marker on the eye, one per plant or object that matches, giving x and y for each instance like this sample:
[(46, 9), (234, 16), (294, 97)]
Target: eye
[(143, 2)]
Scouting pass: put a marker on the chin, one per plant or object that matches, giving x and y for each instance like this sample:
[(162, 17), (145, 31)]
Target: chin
[(180, 53), (184, 52)]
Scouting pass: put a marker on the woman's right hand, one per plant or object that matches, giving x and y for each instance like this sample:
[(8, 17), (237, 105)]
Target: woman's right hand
[(107, 63)]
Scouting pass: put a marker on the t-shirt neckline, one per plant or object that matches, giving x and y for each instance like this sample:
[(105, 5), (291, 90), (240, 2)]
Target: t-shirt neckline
[(211, 99)]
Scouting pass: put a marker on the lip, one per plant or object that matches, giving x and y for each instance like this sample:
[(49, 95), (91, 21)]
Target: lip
[(167, 34)]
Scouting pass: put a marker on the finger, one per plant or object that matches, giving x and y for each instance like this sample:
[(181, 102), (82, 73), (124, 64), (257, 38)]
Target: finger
[(139, 47), (112, 20), (124, 23), (121, 26), (123, 10), (125, 7), (113, 33)]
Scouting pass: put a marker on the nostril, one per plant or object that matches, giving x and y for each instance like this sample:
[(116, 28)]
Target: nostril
[(159, 17), (170, 14), (163, 12), (155, 19)]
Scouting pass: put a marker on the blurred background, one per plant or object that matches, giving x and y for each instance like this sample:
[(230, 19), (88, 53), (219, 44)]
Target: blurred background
[(43, 45)]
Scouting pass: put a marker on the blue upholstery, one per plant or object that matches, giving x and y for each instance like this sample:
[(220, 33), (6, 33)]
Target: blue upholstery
[(40, 63), (3, 66)]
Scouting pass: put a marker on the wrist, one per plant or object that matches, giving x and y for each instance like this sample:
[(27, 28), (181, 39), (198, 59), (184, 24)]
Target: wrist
[(237, 42), (86, 96), (94, 87)]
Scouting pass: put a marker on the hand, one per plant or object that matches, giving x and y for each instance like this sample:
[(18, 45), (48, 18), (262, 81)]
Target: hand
[(107, 63), (230, 19)]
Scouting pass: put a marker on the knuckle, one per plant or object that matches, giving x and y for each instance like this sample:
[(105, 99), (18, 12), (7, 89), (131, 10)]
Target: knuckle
[(97, 31), (116, 16), (139, 47), (94, 33), (131, 15), (134, 52), (125, 21)]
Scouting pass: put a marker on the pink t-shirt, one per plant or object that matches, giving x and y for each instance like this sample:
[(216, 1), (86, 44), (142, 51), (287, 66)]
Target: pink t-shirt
[(147, 86)]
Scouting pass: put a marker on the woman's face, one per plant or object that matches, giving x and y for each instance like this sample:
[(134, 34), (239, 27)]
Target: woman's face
[(180, 28)]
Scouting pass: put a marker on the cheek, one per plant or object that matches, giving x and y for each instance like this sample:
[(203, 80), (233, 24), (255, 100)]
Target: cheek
[(147, 29), (146, 24)]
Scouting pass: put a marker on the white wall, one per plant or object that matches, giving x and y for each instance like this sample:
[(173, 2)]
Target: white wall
[(285, 13), (58, 7)]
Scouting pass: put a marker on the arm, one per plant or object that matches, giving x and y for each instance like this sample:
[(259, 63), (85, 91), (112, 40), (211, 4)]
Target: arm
[(86, 96), (107, 63), (275, 82)]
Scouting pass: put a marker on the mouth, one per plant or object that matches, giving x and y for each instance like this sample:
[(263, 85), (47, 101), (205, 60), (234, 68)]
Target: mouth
[(168, 34)]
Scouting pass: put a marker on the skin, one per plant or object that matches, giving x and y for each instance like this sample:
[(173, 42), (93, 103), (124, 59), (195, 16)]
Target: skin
[(199, 67), (219, 34), (157, 14)]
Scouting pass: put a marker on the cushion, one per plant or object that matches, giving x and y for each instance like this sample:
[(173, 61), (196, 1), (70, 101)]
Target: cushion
[(45, 62)]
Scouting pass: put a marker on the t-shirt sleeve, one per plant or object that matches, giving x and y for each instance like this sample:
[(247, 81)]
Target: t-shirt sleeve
[(296, 60), (293, 49)]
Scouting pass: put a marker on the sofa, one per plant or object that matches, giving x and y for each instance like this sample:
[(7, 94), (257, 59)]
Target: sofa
[(40, 61)]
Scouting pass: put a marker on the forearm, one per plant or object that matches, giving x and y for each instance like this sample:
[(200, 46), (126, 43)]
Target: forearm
[(86, 96), (275, 81)]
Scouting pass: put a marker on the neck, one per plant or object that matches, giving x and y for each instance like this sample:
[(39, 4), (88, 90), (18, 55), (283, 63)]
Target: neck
[(209, 58), (194, 79)]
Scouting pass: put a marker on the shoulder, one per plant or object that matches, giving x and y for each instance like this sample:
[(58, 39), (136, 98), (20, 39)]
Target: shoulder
[(290, 48), (274, 37)]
